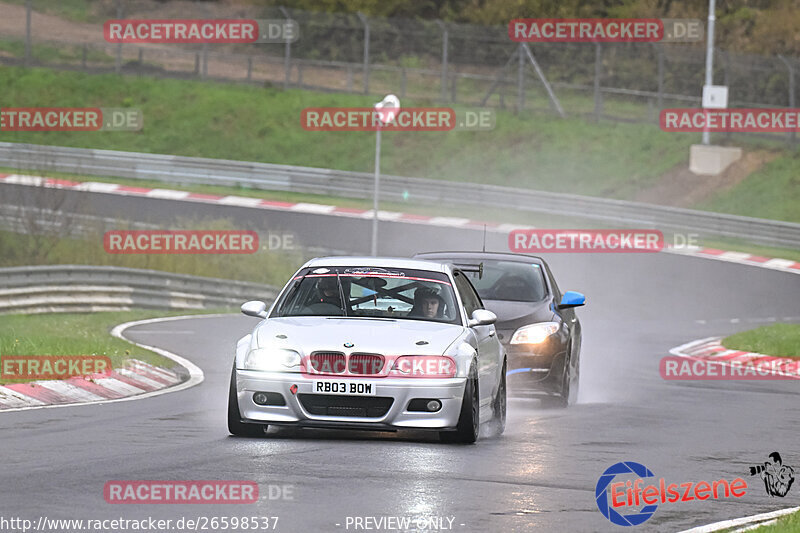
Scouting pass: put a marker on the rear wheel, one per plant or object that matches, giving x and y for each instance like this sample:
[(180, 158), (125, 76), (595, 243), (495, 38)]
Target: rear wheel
[(469, 419), (235, 424), (499, 405)]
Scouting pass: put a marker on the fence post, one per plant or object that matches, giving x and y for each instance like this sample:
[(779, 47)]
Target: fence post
[(793, 134), (598, 72), (445, 46), (660, 52), (205, 61), (118, 64), (249, 68), (349, 78), (287, 54), (365, 22), (403, 83), (85, 55), (28, 9), (520, 80)]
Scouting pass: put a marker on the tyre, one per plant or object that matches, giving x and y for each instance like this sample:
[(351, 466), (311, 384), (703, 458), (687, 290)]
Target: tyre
[(499, 406), (569, 386), (235, 424), (469, 419)]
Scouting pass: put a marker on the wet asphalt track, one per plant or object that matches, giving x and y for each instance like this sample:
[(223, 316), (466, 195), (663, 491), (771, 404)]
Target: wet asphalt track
[(540, 476)]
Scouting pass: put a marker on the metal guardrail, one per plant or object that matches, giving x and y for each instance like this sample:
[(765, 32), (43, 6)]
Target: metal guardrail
[(77, 288), (195, 170)]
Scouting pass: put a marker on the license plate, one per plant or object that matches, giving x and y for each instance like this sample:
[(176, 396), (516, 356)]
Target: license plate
[(348, 388)]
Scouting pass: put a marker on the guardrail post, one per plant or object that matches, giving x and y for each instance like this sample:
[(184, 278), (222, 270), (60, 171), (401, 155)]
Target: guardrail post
[(28, 9), (249, 68), (287, 54), (793, 134), (598, 72), (445, 46), (85, 55), (365, 22)]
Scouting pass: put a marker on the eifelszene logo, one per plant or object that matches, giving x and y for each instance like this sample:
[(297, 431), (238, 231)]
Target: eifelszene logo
[(633, 494), (778, 477)]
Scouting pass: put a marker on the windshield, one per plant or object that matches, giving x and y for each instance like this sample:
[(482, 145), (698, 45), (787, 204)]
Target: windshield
[(509, 281), (370, 292)]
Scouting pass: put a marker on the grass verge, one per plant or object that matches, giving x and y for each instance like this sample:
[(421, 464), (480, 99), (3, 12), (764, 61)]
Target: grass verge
[(78, 334), (230, 121), (779, 340), (785, 524)]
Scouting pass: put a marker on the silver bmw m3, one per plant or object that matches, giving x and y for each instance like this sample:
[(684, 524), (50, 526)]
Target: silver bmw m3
[(371, 343)]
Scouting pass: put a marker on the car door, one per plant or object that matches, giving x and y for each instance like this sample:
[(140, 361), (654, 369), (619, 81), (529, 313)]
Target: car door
[(489, 356)]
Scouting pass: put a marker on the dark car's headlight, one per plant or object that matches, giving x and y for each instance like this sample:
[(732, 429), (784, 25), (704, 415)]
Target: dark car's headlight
[(534, 333), (271, 359)]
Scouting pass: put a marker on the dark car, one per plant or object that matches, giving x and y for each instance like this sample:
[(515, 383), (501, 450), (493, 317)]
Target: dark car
[(536, 322)]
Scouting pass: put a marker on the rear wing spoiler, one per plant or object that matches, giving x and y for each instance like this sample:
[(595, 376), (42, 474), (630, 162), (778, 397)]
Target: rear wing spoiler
[(470, 267)]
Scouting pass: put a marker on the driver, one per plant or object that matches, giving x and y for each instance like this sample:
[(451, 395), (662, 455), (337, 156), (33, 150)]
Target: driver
[(427, 304), (328, 291)]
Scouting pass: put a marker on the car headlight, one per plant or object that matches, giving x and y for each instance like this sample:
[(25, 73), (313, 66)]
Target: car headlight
[(271, 359), (534, 333)]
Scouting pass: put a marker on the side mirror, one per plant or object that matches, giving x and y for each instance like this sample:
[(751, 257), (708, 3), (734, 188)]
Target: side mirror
[(572, 299), (482, 317), (255, 308)]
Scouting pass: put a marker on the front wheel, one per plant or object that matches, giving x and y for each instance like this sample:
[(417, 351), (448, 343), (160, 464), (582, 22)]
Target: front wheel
[(569, 385), (469, 419), (235, 424)]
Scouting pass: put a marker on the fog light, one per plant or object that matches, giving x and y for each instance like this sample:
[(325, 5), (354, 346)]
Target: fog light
[(434, 405), (260, 398)]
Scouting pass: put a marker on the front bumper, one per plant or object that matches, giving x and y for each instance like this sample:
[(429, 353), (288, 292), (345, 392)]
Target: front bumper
[(535, 369), (306, 408)]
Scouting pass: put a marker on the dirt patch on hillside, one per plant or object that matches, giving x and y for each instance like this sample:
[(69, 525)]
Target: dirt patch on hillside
[(679, 187)]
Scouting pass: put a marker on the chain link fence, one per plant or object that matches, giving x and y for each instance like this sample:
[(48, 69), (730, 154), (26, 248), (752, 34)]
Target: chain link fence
[(430, 61)]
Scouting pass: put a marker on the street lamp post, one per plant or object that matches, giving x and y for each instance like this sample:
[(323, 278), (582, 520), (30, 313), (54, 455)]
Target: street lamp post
[(386, 110), (709, 58)]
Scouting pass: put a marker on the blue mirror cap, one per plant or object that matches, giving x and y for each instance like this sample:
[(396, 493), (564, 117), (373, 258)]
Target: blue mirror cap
[(572, 299)]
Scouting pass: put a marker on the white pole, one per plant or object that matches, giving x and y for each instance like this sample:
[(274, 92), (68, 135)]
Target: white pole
[(375, 192), (710, 57)]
